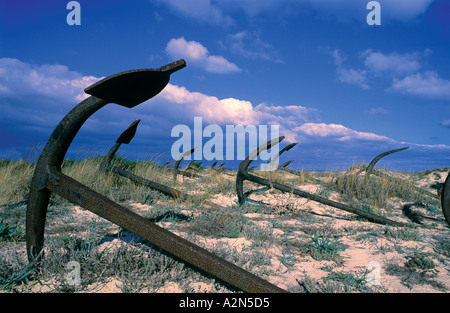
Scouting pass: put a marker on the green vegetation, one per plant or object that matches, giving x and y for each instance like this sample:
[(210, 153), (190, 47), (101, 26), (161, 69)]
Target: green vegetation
[(277, 237), (375, 191)]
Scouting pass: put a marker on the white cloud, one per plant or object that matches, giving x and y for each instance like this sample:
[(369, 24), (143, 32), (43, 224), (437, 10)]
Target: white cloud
[(230, 110), (176, 104), (290, 115), (337, 56), (428, 85), (212, 109), (198, 55), (378, 111), (250, 45), (353, 77), (218, 12), (20, 79), (200, 10), (393, 62), (337, 132), (345, 74), (34, 98), (192, 49), (404, 9), (445, 123), (41, 95), (37, 96), (403, 72)]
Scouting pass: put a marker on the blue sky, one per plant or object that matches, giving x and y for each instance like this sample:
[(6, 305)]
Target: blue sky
[(344, 90)]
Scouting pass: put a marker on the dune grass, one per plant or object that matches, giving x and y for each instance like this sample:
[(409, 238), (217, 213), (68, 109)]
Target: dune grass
[(138, 266)]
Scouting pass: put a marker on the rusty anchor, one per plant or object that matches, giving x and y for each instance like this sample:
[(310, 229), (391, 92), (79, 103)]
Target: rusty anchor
[(176, 171), (191, 166), (127, 89), (285, 164), (370, 167), (273, 163), (283, 167), (219, 169), (371, 170), (445, 199), (243, 175), (212, 165), (125, 138)]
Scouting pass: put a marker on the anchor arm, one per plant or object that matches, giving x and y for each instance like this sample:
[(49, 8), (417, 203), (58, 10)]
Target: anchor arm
[(244, 175), (162, 238), (378, 157), (48, 178), (116, 87), (126, 138), (243, 167)]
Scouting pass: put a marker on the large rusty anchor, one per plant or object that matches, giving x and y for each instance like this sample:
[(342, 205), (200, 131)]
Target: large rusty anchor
[(243, 175), (127, 89)]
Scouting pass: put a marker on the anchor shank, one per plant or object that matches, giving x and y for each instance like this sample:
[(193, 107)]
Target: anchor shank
[(303, 194), (151, 184), (87, 198), (53, 155)]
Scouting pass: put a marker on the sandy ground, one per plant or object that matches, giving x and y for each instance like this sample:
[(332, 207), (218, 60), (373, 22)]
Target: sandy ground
[(371, 255)]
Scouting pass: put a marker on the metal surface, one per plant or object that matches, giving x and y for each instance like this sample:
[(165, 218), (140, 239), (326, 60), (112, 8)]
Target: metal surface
[(273, 163), (52, 157), (369, 168), (194, 168), (177, 246), (176, 169), (48, 178), (285, 164), (243, 175), (445, 200), (128, 134), (126, 138), (133, 87)]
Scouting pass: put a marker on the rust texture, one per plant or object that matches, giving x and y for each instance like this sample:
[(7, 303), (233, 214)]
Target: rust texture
[(274, 161), (176, 171), (127, 89), (369, 168), (243, 175), (445, 199), (126, 138)]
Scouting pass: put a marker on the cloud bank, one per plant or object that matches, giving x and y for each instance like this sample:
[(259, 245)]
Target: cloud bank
[(402, 72), (249, 44), (428, 85), (34, 98)]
